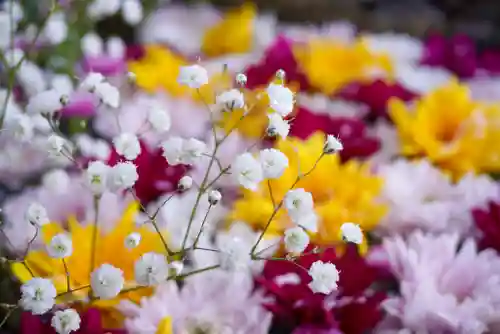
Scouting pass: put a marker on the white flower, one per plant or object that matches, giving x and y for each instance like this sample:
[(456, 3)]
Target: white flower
[(56, 29), (32, 79), (234, 255), (99, 9), (172, 150), (122, 176), (247, 171), (62, 84), (159, 119), (296, 240), (352, 233), (151, 269), (91, 81), (324, 277), (106, 281), (214, 197), (60, 246), (92, 46), (36, 214), (108, 94), (241, 79), (57, 181), (299, 202), (97, 176), (281, 99), (277, 126), (22, 127), (127, 145), (66, 321), (332, 144), (193, 76), (38, 295), (230, 100), (55, 144), (185, 183), (116, 48), (5, 30), (273, 163), (132, 240), (132, 12), (45, 103), (101, 149), (192, 150), (307, 221)]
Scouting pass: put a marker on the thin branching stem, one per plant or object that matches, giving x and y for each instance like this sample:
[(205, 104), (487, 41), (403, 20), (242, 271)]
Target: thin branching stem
[(66, 271), (202, 226), (95, 232)]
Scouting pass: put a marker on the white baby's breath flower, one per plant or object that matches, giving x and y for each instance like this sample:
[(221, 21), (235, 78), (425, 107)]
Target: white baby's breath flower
[(101, 149), (151, 269), (56, 29), (66, 321), (332, 145), (56, 181), (36, 214), (234, 255), (172, 150), (299, 202), (108, 94), (307, 221), (55, 145), (241, 79), (214, 197), (22, 127), (91, 81), (281, 99), (38, 295), (127, 145), (185, 183), (193, 76), (159, 119), (106, 281), (122, 176), (192, 151), (132, 12), (247, 171), (230, 100), (273, 162), (62, 84), (324, 277), (97, 176), (296, 240), (352, 233), (92, 46), (116, 48), (99, 9), (45, 103), (277, 126), (132, 240), (60, 246)]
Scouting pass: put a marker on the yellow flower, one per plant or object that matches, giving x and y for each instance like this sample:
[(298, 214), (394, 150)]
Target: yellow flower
[(110, 248), (159, 68), (450, 129), (329, 65), (165, 326), (342, 192), (233, 34)]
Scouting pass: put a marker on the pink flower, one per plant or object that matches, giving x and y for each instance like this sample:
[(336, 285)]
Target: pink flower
[(444, 288), (215, 299), (80, 104), (104, 64)]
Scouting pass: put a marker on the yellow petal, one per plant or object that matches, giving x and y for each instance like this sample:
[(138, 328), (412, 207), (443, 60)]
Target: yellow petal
[(165, 326)]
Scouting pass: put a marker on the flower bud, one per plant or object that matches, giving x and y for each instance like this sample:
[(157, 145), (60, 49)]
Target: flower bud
[(241, 79), (185, 183), (214, 197)]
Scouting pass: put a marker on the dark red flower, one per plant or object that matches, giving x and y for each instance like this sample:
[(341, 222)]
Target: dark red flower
[(134, 52), (278, 56), (488, 222), (156, 176), (351, 131), (90, 324), (376, 95), (354, 308)]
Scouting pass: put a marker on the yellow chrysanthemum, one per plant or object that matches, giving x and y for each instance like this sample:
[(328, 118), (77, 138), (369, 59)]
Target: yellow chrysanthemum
[(110, 248), (233, 34), (159, 69), (451, 129), (329, 65), (342, 192)]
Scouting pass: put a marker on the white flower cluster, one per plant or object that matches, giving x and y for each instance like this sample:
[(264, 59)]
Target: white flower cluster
[(96, 84), (102, 177), (132, 11)]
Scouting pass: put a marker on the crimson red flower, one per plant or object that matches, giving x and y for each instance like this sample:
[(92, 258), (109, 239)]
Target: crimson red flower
[(156, 176), (90, 324), (278, 56), (376, 95), (488, 222), (351, 131), (354, 308)]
